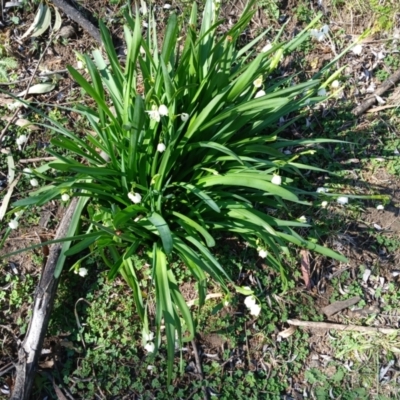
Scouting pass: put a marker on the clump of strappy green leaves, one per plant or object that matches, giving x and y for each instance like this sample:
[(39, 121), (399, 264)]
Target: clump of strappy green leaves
[(214, 176)]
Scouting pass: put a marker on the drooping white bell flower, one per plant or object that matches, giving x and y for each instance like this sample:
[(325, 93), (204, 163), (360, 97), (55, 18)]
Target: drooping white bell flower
[(150, 347), (255, 310), (258, 82), (250, 301), (260, 93), (324, 204), (357, 49), (135, 197), (82, 272), (34, 182), (276, 180), (184, 117), (154, 114), (335, 84), (13, 224), (161, 147), (163, 110), (380, 207), (322, 190), (21, 140), (262, 253), (65, 197), (342, 200)]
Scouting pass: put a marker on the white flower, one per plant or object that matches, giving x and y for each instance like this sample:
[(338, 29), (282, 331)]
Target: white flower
[(82, 272), (325, 29), (145, 24), (148, 337), (65, 197), (250, 301), (262, 253), (322, 190), (276, 180), (258, 82), (154, 114), (163, 110), (324, 204), (21, 140), (335, 84), (342, 200), (167, 6), (161, 147), (18, 213), (184, 117), (27, 171), (150, 347), (13, 224), (135, 197), (34, 182), (319, 34), (260, 93), (357, 49), (322, 92), (255, 310), (302, 219), (380, 207), (266, 48), (79, 65)]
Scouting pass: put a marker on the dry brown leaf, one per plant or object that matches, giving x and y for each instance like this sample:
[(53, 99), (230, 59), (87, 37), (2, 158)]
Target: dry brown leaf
[(287, 332)]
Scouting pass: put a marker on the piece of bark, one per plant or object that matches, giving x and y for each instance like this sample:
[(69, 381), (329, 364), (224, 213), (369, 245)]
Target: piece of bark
[(76, 16), (339, 306), (391, 81), (30, 349), (340, 327)]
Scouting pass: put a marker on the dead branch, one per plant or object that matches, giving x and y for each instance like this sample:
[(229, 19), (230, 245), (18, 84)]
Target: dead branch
[(76, 16), (340, 327), (369, 102), (30, 349)]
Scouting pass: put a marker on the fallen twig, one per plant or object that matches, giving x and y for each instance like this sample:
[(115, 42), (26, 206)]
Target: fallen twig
[(31, 160), (30, 349), (369, 102), (199, 369), (76, 16), (340, 327)]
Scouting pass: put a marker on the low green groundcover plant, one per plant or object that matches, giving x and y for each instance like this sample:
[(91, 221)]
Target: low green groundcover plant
[(178, 156)]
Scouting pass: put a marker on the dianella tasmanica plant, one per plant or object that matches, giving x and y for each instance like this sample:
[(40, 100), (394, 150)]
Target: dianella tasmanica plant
[(177, 155)]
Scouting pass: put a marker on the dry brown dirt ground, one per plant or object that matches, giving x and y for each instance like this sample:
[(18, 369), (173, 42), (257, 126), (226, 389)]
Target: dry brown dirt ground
[(355, 239)]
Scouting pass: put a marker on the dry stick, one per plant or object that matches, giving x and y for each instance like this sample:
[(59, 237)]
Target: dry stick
[(31, 347), (340, 327), (199, 369), (391, 81), (76, 16), (31, 160)]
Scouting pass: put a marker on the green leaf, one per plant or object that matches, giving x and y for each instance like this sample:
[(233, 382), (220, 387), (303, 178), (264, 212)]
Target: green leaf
[(248, 181), (163, 229), (193, 224)]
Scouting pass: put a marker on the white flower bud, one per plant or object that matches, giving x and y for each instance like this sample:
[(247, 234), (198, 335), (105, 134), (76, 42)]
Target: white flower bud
[(357, 49), (65, 197), (34, 182)]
